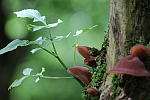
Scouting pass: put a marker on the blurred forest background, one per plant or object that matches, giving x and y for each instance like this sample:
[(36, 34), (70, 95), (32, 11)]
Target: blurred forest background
[(76, 15)]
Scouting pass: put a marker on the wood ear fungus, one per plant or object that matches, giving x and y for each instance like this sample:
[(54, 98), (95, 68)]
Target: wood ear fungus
[(90, 62), (140, 51), (82, 73), (84, 51), (93, 91), (130, 65)]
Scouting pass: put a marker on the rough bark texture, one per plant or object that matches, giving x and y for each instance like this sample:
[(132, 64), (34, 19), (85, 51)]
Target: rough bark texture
[(129, 25)]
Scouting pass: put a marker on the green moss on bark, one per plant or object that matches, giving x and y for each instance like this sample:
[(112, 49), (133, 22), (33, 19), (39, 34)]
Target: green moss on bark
[(115, 88), (99, 73)]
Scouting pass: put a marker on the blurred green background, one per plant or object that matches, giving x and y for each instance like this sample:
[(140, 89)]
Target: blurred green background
[(76, 15)]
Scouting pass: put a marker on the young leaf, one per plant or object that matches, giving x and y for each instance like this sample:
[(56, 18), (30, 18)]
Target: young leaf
[(68, 35), (41, 73), (93, 27), (35, 50), (43, 70), (40, 40), (13, 45), (17, 82), (37, 80), (85, 30), (33, 28), (78, 32), (59, 38), (55, 24), (31, 13), (75, 45), (27, 71)]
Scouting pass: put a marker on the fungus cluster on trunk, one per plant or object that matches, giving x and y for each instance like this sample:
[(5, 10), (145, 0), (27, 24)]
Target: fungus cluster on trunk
[(131, 64), (82, 73), (133, 69), (87, 53)]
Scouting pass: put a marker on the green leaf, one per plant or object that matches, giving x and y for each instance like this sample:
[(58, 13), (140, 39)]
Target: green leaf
[(17, 82), (85, 30), (33, 28), (35, 50), (13, 45), (27, 71), (41, 73), (68, 35), (31, 13), (40, 40), (93, 27), (75, 45), (43, 70), (78, 32), (59, 38), (37, 80), (55, 24)]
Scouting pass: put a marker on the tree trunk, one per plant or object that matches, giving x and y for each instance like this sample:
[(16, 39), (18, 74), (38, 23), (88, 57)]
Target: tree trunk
[(129, 25)]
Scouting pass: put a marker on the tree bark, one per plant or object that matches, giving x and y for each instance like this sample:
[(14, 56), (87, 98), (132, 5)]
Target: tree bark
[(129, 25)]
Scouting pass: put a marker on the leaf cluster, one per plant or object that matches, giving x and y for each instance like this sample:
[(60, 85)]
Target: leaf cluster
[(37, 17)]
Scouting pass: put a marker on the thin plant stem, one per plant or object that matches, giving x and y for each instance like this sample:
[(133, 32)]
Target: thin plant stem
[(74, 56), (62, 63), (48, 77), (46, 50), (57, 77), (56, 56), (52, 77), (82, 84), (51, 39), (75, 50)]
